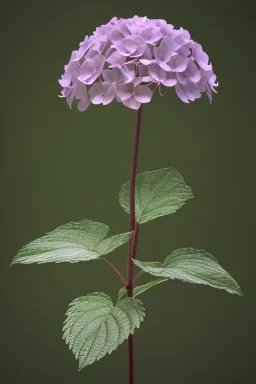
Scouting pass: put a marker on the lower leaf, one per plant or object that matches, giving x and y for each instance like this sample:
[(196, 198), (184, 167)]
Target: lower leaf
[(95, 327)]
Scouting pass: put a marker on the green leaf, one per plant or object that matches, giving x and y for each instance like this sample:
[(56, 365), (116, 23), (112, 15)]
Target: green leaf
[(140, 288), (193, 266), (157, 193), (72, 242), (95, 327)]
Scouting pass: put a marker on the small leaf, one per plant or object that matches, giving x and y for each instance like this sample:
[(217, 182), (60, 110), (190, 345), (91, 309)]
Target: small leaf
[(140, 288), (193, 266), (157, 193), (72, 242), (95, 327)]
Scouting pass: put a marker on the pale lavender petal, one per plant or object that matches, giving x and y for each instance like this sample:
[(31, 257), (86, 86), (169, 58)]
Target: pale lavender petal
[(170, 80), (100, 43), (108, 75), (91, 55), (132, 103), (66, 77), (147, 62), (184, 52), (201, 57), (138, 81), (178, 63), (96, 93), (156, 72), (127, 73), (65, 92), (124, 91), (139, 51), (85, 71), (208, 91), (97, 64), (165, 51), (192, 91), (70, 98), (65, 81), (165, 66), (143, 94), (181, 93), (183, 37), (148, 53), (149, 79), (80, 90), (126, 47), (151, 34), (83, 103), (192, 73), (116, 36), (109, 95), (116, 58)]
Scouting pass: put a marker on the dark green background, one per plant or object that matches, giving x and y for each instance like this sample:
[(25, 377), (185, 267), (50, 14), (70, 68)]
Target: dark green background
[(61, 165)]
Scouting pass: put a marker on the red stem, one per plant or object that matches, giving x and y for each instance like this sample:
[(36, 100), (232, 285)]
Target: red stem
[(115, 270), (133, 226)]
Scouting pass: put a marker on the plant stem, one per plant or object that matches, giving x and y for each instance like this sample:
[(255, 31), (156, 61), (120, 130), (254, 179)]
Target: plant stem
[(133, 226), (115, 270)]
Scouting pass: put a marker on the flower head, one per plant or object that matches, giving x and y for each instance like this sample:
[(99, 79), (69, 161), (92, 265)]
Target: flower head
[(128, 59)]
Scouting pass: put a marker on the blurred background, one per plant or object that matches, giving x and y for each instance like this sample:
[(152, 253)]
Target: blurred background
[(61, 165)]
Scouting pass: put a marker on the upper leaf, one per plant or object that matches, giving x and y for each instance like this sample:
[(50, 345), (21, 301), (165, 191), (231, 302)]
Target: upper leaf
[(193, 266), (157, 193), (95, 327), (72, 242), (140, 288)]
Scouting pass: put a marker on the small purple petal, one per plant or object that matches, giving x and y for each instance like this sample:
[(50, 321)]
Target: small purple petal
[(126, 47), (83, 103), (151, 34), (156, 72), (109, 95), (170, 80), (80, 90), (147, 62), (127, 73), (132, 103), (178, 63), (85, 71), (96, 93), (192, 73), (124, 91), (143, 94), (108, 75), (165, 51), (116, 58), (183, 37), (181, 92)]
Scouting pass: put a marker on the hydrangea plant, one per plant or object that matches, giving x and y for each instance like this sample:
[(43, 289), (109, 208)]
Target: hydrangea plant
[(127, 60)]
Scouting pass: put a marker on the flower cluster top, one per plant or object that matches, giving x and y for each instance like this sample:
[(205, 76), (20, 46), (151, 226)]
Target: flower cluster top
[(128, 59)]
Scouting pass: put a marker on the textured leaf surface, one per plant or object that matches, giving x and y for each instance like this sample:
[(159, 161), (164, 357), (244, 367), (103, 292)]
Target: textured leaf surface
[(72, 242), (95, 327), (193, 266), (157, 193), (140, 288)]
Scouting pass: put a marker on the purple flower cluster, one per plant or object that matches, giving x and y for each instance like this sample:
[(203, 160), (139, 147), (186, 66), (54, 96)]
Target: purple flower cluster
[(128, 59)]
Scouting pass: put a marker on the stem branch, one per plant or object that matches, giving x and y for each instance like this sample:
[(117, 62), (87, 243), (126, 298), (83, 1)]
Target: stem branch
[(115, 270)]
